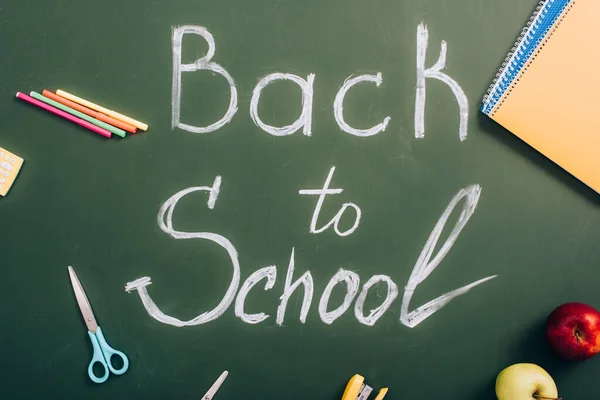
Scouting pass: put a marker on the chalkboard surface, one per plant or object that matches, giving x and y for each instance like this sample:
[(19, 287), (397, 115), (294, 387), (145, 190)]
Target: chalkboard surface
[(95, 204)]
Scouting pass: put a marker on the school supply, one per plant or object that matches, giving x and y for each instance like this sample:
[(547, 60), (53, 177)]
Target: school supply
[(10, 165), (116, 131), (94, 114), (357, 389), (114, 114), (103, 353), (65, 115), (546, 91), (213, 389)]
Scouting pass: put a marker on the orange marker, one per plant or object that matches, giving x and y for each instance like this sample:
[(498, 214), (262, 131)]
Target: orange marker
[(91, 113)]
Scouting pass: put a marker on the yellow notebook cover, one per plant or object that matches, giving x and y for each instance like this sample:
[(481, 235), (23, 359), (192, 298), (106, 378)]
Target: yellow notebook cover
[(547, 91)]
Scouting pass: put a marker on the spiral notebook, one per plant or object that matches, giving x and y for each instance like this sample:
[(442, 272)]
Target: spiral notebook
[(547, 92)]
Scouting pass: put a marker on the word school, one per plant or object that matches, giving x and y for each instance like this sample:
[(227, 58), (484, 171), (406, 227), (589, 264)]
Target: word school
[(424, 267), (304, 121)]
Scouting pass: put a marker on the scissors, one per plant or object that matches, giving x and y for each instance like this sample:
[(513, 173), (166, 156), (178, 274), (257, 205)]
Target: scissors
[(102, 351), (213, 389)]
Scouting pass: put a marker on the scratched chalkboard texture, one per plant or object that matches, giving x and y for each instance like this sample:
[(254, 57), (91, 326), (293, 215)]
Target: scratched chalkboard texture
[(93, 203)]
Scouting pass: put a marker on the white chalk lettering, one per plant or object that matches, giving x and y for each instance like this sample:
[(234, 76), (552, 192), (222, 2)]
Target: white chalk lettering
[(203, 63), (436, 73), (336, 220), (338, 107), (309, 288), (305, 119), (377, 312), (268, 272), (425, 265), (352, 281), (141, 284)]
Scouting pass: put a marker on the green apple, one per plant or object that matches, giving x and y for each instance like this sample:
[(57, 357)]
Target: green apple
[(525, 382)]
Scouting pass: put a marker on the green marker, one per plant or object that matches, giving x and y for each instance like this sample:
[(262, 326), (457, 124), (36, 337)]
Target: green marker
[(110, 128)]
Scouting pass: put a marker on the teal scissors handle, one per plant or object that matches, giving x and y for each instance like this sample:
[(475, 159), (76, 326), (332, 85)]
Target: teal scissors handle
[(103, 354)]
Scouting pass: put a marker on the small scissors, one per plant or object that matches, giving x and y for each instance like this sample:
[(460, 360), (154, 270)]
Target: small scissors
[(102, 351), (213, 389)]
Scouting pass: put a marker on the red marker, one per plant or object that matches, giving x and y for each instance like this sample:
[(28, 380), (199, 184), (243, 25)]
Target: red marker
[(63, 114)]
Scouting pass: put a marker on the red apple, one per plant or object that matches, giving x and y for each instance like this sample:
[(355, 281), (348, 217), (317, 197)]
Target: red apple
[(573, 331)]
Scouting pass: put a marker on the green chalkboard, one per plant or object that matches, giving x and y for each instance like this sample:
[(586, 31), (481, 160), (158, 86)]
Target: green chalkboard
[(94, 204)]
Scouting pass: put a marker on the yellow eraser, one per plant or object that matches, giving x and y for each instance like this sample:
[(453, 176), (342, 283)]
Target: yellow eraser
[(10, 165)]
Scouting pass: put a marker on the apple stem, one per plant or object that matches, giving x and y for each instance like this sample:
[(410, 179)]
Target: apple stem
[(546, 398)]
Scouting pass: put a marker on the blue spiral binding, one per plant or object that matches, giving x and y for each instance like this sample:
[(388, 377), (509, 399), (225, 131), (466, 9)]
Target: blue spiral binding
[(540, 23)]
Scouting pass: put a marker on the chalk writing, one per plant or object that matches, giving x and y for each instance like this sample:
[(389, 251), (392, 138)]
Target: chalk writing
[(424, 266), (305, 119), (377, 312), (335, 221), (309, 288), (166, 213), (436, 73), (203, 63), (352, 281), (338, 106), (268, 272)]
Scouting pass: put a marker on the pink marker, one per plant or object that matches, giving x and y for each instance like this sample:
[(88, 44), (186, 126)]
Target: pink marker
[(63, 114)]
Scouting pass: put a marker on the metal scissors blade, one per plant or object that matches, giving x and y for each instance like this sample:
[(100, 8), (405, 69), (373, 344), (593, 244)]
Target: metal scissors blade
[(82, 301), (213, 389)]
